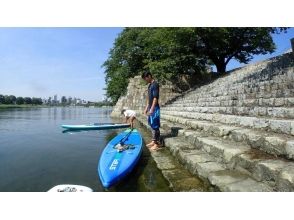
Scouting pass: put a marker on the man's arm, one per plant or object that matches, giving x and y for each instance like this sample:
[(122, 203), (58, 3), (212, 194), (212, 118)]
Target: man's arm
[(154, 103), (155, 99), (146, 108)]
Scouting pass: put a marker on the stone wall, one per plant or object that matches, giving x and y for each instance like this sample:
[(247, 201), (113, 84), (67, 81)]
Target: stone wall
[(253, 90), (259, 95), (238, 131), (137, 95)]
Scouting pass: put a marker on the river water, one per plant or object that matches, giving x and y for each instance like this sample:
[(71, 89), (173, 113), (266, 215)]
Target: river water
[(36, 155)]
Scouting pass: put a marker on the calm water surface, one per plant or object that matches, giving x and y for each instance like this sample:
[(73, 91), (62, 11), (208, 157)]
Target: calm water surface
[(36, 155)]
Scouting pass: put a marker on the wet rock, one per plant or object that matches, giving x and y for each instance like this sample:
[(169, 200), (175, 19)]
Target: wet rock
[(164, 162), (182, 181)]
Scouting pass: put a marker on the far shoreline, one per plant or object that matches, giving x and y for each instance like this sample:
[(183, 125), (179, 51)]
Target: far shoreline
[(11, 106), (5, 106)]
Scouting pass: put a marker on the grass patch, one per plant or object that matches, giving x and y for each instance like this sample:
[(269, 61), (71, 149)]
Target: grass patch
[(4, 106)]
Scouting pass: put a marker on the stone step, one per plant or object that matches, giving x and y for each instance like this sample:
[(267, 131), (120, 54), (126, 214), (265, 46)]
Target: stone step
[(238, 93), (202, 164), (235, 91), (269, 89), (222, 155), (179, 179), (276, 112), (229, 155), (234, 102), (263, 82), (282, 126), (269, 142)]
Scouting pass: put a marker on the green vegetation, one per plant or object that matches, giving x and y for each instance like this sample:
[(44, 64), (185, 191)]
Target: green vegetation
[(10, 101), (175, 54)]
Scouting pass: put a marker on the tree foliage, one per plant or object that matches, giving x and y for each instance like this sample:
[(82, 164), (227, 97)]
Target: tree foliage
[(37, 101), (220, 45), (171, 53), (166, 52), (2, 99), (11, 99), (19, 100)]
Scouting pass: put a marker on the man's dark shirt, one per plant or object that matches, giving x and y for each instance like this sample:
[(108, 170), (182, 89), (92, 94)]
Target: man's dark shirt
[(153, 92)]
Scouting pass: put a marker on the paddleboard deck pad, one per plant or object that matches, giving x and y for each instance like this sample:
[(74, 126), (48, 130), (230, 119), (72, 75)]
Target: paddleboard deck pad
[(70, 188), (119, 157)]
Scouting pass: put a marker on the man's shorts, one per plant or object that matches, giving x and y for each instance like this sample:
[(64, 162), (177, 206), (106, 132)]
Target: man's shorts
[(154, 119)]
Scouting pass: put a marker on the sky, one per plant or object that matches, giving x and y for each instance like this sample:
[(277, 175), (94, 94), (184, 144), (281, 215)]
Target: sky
[(282, 42), (42, 62)]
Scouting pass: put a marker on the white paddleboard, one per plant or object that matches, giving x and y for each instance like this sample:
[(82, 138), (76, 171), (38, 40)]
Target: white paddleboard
[(70, 188)]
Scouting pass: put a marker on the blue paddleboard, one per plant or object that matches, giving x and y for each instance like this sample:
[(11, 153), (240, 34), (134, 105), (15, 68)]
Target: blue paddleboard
[(119, 157), (95, 126)]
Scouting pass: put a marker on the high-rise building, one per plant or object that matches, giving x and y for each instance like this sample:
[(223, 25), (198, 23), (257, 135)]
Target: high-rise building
[(69, 100)]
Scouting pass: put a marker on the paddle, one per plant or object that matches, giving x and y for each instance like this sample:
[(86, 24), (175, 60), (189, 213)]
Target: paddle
[(125, 137), (119, 145)]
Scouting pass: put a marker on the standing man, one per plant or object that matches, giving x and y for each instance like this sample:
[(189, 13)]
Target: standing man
[(152, 110)]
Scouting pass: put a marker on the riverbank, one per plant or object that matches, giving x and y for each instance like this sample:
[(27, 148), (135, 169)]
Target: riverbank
[(4, 106), (177, 176)]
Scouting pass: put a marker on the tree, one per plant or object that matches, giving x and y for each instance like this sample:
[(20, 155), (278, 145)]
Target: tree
[(125, 60), (220, 45), (37, 101), (11, 99), (2, 99), (19, 100), (167, 52), (27, 100), (172, 54)]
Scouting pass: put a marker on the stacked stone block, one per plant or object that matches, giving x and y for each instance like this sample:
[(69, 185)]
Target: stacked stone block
[(238, 132)]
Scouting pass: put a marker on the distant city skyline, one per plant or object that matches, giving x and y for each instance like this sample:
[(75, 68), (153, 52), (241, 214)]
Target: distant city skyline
[(41, 62)]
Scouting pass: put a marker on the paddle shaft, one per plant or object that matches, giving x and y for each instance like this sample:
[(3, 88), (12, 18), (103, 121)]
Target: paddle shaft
[(125, 137)]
